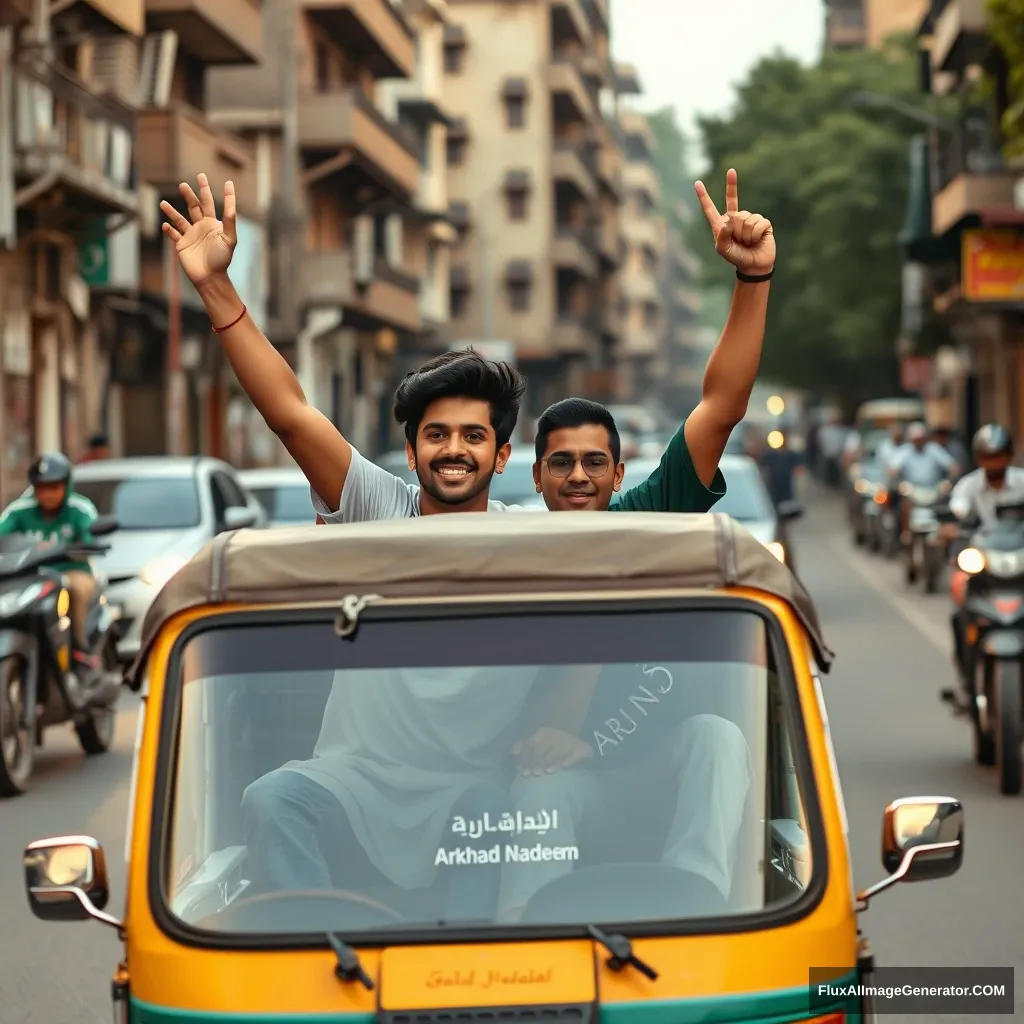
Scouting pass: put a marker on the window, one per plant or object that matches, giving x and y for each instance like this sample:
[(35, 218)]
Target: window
[(226, 494), (516, 204), (286, 504), (145, 502), (519, 296), (684, 706), (459, 301), (515, 112), (453, 58), (456, 150)]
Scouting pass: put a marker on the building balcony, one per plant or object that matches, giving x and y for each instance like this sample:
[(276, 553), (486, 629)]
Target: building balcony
[(372, 31), (643, 233), (348, 138), (640, 341), (175, 142), (637, 131), (627, 81), (569, 22), (608, 239), (569, 92), (384, 297), (72, 148), (571, 335), (959, 38), (99, 16), (212, 31), (640, 286), (597, 10), (570, 252), (569, 167), (642, 177), (972, 195)]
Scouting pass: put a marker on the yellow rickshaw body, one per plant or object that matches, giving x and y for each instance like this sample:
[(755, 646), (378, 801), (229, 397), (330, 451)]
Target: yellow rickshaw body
[(751, 974)]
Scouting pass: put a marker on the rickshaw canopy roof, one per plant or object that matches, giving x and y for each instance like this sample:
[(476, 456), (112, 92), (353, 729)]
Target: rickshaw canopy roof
[(472, 554), (895, 409)]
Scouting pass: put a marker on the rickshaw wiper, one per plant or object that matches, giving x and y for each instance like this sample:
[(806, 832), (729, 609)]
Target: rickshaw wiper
[(621, 950), (348, 968)]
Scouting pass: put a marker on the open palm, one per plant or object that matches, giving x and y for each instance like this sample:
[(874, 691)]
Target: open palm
[(746, 240), (205, 245)]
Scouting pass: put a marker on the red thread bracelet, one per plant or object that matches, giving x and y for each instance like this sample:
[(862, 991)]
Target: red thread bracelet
[(221, 330)]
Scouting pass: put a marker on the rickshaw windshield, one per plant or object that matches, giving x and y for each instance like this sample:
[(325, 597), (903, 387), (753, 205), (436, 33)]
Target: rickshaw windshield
[(478, 769)]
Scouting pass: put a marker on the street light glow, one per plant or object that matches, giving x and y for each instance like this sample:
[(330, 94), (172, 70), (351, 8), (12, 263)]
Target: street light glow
[(776, 406), (775, 439)]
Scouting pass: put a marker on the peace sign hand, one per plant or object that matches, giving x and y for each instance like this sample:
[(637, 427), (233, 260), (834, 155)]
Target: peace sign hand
[(204, 247), (745, 239)]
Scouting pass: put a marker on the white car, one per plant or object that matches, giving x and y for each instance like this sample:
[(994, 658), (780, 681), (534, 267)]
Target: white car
[(283, 492), (166, 509)]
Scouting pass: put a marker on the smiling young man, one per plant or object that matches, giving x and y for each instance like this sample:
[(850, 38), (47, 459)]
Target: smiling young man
[(462, 407)]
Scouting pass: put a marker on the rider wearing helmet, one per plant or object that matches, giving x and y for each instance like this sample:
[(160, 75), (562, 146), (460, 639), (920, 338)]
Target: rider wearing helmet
[(920, 463), (995, 482), (53, 512)]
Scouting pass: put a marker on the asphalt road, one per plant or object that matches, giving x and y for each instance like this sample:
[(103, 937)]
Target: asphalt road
[(893, 738)]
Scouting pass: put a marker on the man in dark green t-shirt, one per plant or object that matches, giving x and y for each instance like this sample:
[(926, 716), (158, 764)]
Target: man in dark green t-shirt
[(55, 514), (578, 466)]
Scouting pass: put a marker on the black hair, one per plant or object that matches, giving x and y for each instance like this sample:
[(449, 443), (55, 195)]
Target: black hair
[(462, 374), (576, 412), (99, 441)]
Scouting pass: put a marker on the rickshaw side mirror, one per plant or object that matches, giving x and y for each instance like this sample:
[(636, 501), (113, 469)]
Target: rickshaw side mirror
[(922, 839), (66, 879)]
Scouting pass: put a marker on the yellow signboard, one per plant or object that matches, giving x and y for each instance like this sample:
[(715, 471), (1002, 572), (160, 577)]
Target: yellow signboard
[(993, 266)]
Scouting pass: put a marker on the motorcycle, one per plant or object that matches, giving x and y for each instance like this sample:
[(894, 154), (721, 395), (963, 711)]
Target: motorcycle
[(867, 500), (991, 654), (39, 687), (923, 550)]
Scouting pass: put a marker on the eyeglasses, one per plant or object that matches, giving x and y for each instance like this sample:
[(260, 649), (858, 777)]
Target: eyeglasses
[(595, 465)]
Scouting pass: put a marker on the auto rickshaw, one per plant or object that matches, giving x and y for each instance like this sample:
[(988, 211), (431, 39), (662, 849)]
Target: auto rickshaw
[(468, 766)]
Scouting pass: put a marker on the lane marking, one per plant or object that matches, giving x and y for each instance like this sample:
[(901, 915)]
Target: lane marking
[(938, 636)]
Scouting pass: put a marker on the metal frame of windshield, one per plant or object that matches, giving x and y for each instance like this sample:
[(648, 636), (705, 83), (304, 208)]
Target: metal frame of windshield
[(165, 779)]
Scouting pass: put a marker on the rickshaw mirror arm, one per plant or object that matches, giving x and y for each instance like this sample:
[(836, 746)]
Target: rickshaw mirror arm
[(865, 896), (87, 905)]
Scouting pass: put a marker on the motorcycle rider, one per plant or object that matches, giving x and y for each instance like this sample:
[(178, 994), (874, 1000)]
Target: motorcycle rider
[(974, 501), (921, 462), (53, 513), (944, 436)]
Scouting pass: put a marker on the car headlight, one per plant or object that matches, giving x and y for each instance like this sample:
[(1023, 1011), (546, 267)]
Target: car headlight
[(777, 550), (906, 489), (971, 561), (157, 572)]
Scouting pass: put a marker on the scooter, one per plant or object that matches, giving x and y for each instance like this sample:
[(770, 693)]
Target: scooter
[(39, 687), (922, 532), (990, 653)]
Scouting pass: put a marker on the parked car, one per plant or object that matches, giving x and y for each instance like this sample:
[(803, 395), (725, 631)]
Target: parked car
[(283, 492), (166, 509), (746, 499)]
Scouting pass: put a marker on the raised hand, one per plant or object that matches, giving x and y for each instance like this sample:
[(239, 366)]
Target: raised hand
[(205, 245), (745, 239)]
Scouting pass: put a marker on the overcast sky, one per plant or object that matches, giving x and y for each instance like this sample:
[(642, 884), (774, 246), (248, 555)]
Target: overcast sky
[(690, 53)]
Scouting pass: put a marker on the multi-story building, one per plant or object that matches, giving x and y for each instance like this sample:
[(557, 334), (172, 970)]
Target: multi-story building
[(965, 227), (685, 352), (852, 24), (336, 180), (67, 154), (533, 180), (641, 352)]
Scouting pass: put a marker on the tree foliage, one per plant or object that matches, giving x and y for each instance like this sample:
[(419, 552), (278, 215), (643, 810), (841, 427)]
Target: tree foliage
[(833, 178), (1006, 27)]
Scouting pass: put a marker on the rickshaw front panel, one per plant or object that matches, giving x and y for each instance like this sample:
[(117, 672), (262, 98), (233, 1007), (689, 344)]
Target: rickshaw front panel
[(754, 974)]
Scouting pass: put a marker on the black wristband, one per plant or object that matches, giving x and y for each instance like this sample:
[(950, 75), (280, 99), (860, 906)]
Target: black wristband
[(754, 278)]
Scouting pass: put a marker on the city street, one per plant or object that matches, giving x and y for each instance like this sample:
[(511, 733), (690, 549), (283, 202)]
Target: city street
[(893, 738)]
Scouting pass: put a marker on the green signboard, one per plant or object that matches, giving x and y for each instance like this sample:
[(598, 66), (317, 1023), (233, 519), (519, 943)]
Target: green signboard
[(94, 261)]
